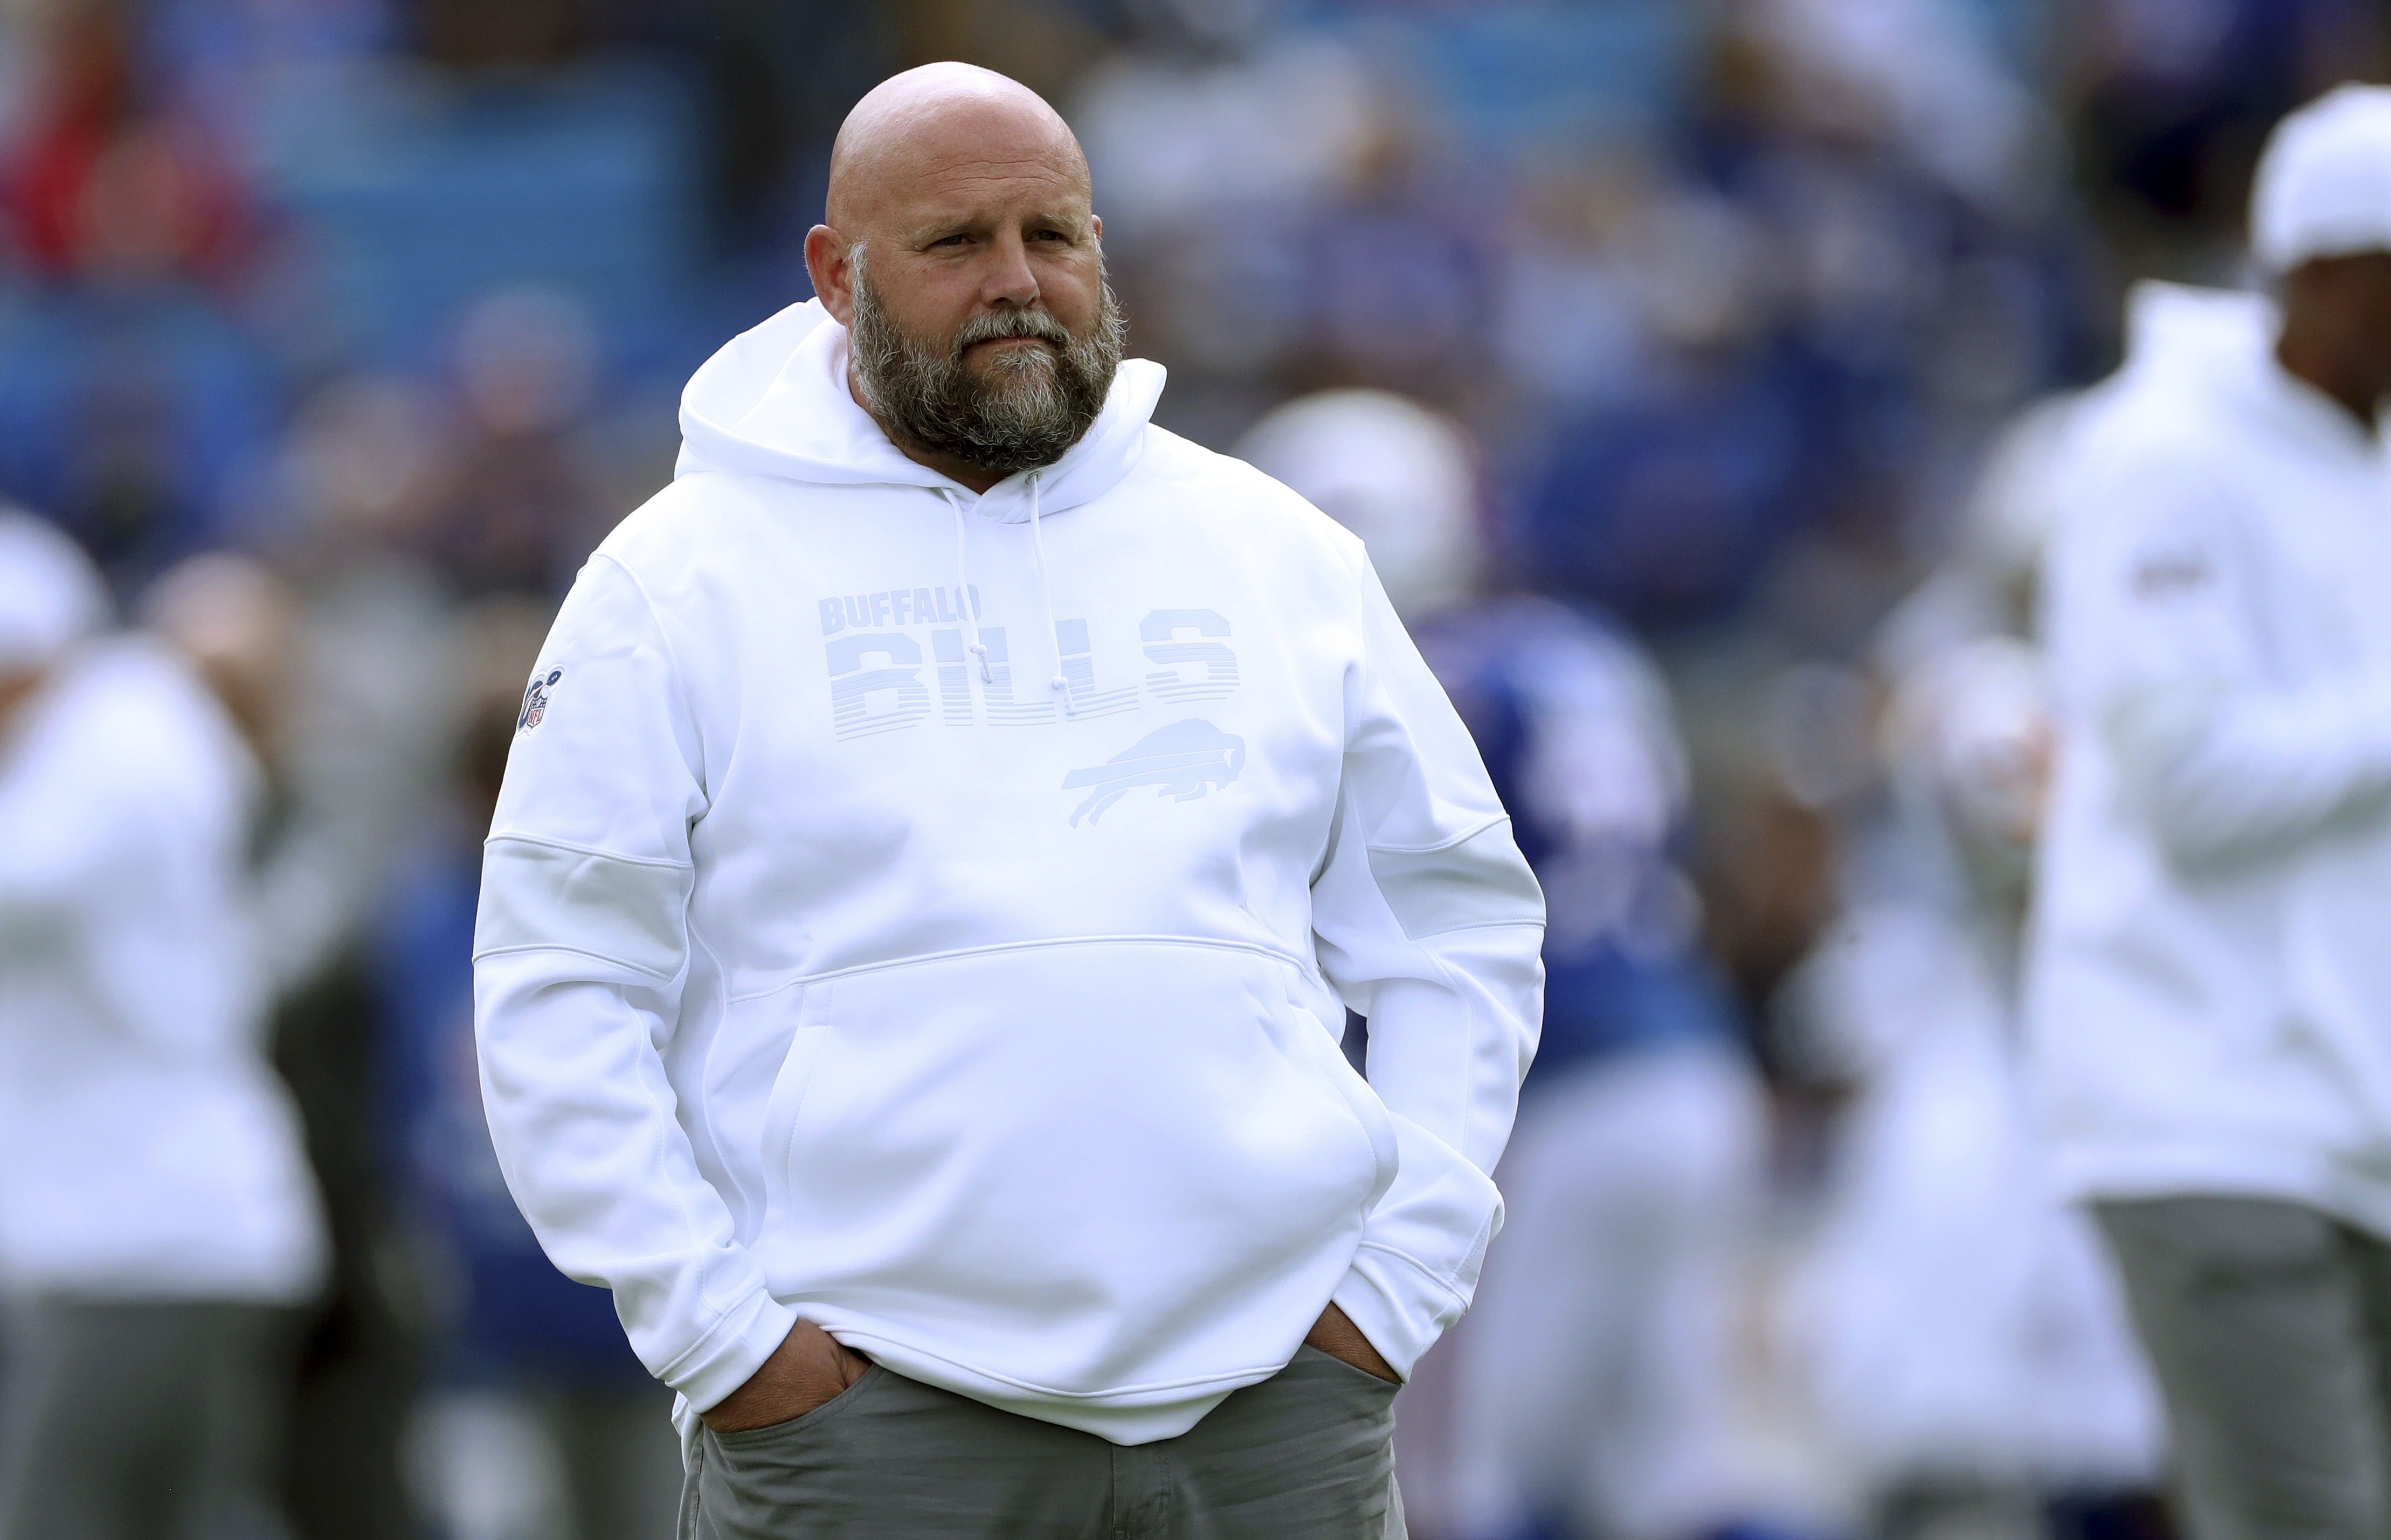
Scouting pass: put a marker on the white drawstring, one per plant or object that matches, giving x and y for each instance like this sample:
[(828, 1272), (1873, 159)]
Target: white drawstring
[(977, 647), (1046, 596)]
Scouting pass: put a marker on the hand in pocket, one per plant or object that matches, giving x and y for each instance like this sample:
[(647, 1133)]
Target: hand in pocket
[(1336, 1335), (808, 1371)]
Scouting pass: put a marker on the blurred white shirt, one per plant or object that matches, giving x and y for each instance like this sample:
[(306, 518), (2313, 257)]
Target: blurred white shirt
[(146, 1150), (2210, 987)]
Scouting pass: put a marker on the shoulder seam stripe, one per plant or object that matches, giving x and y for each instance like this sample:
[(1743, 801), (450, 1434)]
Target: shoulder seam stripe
[(602, 854), (1461, 839)]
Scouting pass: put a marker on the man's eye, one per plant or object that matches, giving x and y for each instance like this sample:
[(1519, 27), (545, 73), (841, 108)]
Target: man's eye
[(951, 240)]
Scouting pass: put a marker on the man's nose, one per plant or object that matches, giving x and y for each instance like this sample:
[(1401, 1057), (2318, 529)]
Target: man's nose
[(1010, 279)]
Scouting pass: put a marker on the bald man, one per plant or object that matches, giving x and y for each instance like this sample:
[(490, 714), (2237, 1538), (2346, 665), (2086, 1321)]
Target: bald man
[(943, 836)]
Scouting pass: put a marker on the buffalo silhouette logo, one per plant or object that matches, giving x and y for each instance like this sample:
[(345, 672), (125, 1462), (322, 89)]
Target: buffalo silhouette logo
[(1182, 761)]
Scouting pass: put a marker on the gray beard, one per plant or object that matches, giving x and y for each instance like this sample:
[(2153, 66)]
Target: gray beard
[(1040, 402)]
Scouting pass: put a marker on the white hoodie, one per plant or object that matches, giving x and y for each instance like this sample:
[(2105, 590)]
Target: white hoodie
[(2210, 984), (933, 916), (146, 1150)]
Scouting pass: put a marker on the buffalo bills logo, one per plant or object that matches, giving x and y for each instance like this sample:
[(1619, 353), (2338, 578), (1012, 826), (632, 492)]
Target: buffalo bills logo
[(534, 706), (1182, 761)]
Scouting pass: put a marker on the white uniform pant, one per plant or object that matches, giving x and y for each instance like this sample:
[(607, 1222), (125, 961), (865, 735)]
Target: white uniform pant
[(1591, 1378)]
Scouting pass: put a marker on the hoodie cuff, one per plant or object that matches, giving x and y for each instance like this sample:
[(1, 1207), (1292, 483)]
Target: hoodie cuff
[(731, 1352), (1397, 1305)]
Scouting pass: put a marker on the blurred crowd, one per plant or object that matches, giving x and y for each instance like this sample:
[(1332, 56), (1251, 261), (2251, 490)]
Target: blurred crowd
[(1691, 368)]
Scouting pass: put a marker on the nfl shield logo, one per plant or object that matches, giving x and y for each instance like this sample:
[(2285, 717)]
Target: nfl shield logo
[(534, 706)]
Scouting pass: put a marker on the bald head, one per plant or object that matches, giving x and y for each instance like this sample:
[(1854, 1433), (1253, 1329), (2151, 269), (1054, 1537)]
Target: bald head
[(943, 122), (966, 197)]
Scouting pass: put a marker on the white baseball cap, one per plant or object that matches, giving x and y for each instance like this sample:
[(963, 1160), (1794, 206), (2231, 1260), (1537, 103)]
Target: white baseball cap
[(2323, 187), (51, 596)]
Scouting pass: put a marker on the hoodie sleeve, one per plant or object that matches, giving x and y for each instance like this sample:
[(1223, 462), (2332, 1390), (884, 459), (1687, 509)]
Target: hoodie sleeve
[(2160, 629), (580, 949), (1428, 923), (61, 837)]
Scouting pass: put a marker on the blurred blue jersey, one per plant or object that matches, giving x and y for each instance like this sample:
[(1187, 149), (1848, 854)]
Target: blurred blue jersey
[(505, 1312), (1576, 731)]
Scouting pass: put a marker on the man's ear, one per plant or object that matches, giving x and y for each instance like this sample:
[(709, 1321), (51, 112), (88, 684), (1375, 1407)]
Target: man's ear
[(834, 276)]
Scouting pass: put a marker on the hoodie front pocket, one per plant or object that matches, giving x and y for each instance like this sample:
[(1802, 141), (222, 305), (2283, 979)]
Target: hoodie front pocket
[(1073, 1158)]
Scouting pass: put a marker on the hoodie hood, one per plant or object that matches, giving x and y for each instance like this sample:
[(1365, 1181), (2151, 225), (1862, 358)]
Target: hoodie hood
[(774, 402), (2209, 345), (2173, 330)]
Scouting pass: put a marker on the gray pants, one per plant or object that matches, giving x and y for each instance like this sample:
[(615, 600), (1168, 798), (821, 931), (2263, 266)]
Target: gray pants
[(142, 1422), (1303, 1456), (2269, 1327)]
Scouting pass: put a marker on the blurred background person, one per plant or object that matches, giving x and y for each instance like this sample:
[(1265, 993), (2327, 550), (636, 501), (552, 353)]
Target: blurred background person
[(328, 703), (539, 1420), (156, 1221), (1590, 1390), (2210, 1008), (1938, 1222)]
